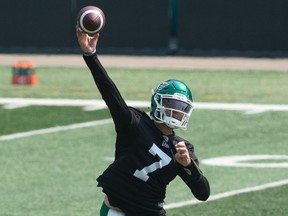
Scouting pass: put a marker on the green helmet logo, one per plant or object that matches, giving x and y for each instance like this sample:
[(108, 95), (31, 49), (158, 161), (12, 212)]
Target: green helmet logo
[(171, 103)]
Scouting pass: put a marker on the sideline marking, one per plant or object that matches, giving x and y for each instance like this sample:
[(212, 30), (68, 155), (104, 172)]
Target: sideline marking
[(228, 194), (90, 105), (54, 129), (243, 161)]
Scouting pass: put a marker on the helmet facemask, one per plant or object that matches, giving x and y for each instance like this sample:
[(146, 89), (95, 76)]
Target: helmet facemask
[(172, 110)]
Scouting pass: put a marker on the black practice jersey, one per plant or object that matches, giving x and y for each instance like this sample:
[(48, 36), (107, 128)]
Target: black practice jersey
[(144, 159)]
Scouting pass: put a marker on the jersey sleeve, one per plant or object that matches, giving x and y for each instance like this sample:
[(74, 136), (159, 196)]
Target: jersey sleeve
[(195, 180), (193, 176), (110, 94)]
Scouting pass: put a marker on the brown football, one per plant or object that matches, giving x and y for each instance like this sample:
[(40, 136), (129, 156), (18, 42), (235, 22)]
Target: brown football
[(91, 19)]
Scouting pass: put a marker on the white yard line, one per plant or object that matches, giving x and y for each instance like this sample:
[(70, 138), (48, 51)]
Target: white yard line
[(13, 103), (248, 108), (54, 129), (229, 194)]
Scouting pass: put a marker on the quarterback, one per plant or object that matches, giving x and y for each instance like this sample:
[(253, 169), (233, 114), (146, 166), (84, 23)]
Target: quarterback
[(148, 153)]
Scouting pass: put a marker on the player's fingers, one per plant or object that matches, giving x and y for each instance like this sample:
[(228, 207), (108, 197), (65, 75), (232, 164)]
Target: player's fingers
[(181, 150), (78, 30), (180, 144), (79, 33), (183, 159), (95, 37)]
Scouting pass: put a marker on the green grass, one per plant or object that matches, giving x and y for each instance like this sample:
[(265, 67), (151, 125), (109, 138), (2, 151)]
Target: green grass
[(54, 174), (37, 117), (51, 174), (206, 85)]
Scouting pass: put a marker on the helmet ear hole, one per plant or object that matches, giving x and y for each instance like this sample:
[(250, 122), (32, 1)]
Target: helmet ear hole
[(158, 114)]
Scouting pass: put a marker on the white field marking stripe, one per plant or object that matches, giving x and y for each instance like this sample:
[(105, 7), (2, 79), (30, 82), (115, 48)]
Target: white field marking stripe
[(243, 161), (12, 103), (55, 129), (228, 194), (248, 108)]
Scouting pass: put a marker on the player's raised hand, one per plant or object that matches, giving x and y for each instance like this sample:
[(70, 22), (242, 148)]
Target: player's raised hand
[(182, 156), (87, 43)]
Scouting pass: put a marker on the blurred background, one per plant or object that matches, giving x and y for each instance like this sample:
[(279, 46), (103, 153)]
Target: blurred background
[(250, 28)]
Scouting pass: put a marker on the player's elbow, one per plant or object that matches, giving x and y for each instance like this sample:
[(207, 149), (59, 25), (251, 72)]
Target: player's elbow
[(202, 192), (204, 196)]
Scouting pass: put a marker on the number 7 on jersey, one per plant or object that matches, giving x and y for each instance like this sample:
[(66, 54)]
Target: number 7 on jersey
[(164, 161)]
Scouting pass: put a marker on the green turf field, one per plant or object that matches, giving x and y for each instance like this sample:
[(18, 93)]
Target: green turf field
[(54, 174)]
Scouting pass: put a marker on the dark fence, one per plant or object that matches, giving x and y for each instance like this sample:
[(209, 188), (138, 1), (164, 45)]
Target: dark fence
[(192, 27), (234, 27), (49, 26)]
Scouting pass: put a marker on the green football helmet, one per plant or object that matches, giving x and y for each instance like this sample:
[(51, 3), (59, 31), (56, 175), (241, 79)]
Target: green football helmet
[(172, 104)]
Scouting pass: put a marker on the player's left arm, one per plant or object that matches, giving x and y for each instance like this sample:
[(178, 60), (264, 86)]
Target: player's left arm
[(189, 171)]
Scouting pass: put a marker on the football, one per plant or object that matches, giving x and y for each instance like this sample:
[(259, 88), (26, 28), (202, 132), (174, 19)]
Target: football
[(91, 19)]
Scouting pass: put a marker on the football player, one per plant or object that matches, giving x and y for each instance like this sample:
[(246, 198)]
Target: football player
[(148, 153)]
